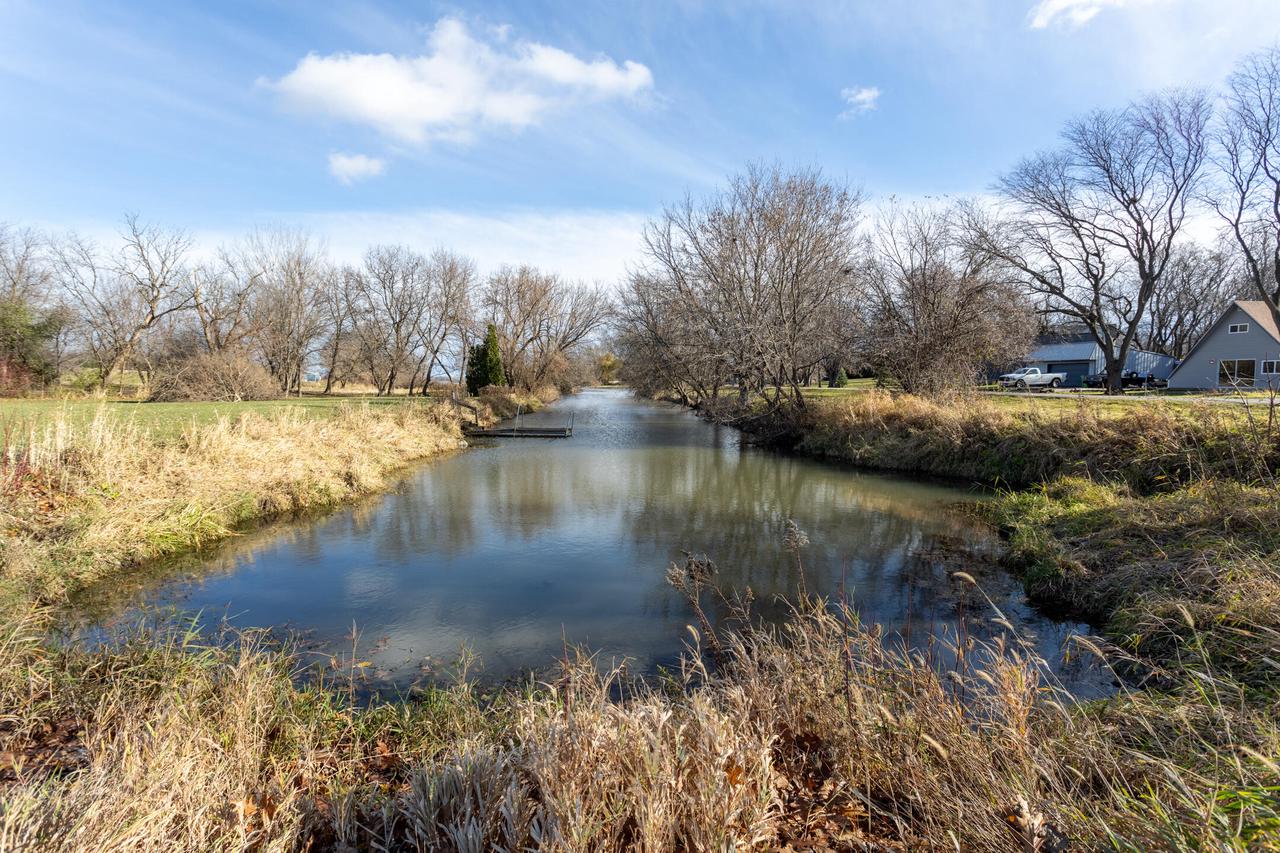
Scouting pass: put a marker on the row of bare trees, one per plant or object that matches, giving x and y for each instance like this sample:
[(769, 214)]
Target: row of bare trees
[(778, 278), (778, 281), (275, 302)]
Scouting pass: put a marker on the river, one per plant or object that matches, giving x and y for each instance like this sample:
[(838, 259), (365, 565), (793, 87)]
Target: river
[(515, 549)]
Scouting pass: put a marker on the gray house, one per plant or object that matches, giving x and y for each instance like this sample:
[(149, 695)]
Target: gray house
[(1242, 348), (1078, 355)]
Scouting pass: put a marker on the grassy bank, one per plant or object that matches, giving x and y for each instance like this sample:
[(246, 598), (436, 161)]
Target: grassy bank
[(1148, 446), (1153, 523), (1188, 575), (84, 496)]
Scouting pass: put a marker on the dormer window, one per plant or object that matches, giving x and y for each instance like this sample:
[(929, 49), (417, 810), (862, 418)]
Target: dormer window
[(1237, 328)]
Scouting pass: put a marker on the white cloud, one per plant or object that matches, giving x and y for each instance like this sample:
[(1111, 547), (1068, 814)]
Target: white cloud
[(460, 83), (349, 168), (1071, 13), (859, 99)]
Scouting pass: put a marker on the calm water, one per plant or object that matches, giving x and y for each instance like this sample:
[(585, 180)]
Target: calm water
[(516, 548)]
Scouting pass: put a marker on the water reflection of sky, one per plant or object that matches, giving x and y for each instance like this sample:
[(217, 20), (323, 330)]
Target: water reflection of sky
[(517, 548)]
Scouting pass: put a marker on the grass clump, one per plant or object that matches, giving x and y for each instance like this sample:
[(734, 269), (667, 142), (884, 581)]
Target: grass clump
[(1201, 560)]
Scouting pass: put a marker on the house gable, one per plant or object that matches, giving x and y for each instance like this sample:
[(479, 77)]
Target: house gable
[(1258, 341)]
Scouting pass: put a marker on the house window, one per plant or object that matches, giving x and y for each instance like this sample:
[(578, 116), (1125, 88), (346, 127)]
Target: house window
[(1271, 368), (1237, 328), (1236, 371)]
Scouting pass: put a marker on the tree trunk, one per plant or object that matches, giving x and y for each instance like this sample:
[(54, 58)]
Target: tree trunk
[(1115, 382)]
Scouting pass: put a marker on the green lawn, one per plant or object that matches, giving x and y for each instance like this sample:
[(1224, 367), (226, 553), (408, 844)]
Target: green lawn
[(168, 418)]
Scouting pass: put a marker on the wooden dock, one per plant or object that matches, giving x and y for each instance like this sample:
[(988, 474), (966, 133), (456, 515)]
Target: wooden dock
[(519, 430), (522, 432)]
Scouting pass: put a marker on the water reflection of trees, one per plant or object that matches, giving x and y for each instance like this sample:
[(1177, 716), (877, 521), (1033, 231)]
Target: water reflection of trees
[(731, 506), (575, 536)]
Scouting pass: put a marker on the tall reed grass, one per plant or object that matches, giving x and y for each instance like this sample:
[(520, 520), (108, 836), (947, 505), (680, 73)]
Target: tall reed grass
[(815, 734)]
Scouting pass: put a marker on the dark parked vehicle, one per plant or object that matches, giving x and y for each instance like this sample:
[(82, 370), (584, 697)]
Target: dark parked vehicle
[(1128, 379)]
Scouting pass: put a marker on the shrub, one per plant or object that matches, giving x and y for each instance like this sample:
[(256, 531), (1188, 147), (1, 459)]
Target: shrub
[(219, 376), (25, 337)]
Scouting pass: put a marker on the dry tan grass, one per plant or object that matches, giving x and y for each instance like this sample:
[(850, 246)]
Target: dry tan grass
[(970, 437), (81, 501), (503, 403), (814, 733), (817, 733)]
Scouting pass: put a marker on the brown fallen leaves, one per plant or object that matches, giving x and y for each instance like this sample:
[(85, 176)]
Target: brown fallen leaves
[(55, 746)]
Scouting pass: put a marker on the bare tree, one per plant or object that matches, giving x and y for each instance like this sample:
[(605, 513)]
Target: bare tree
[(1091, 228), (390, 293), (446, 315), (1247, 155), (745, 285), (539, 318), (222, 294), (122, 296), (286, 313), (335, 304), (1199, 284), (26, 274), (663, 344), (578, 311), (937, 310)]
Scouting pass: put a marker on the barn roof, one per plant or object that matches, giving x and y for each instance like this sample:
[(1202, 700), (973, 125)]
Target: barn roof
[(1065, 351)]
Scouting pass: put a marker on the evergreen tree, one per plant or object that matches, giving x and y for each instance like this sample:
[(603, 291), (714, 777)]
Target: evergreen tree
[(25, 338), (484, 366)]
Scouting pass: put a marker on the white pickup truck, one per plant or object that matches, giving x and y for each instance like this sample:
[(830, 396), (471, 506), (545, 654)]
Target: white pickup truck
[(1031, 377)]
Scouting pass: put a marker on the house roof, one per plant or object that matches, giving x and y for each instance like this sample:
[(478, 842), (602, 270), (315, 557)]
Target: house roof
[(1067, 351), (1256, 310), (1260, 314)]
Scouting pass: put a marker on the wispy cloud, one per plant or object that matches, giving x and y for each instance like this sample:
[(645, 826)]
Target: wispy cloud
[(579, 243), (859, 99), (462, 82), (349, 168), (595, 245), (1071, 14)]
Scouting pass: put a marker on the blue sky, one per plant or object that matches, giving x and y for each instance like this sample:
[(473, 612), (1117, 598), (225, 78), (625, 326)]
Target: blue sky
[(549, 131)]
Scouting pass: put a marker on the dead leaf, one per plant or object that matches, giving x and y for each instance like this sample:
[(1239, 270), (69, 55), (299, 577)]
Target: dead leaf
[(245, 809)]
